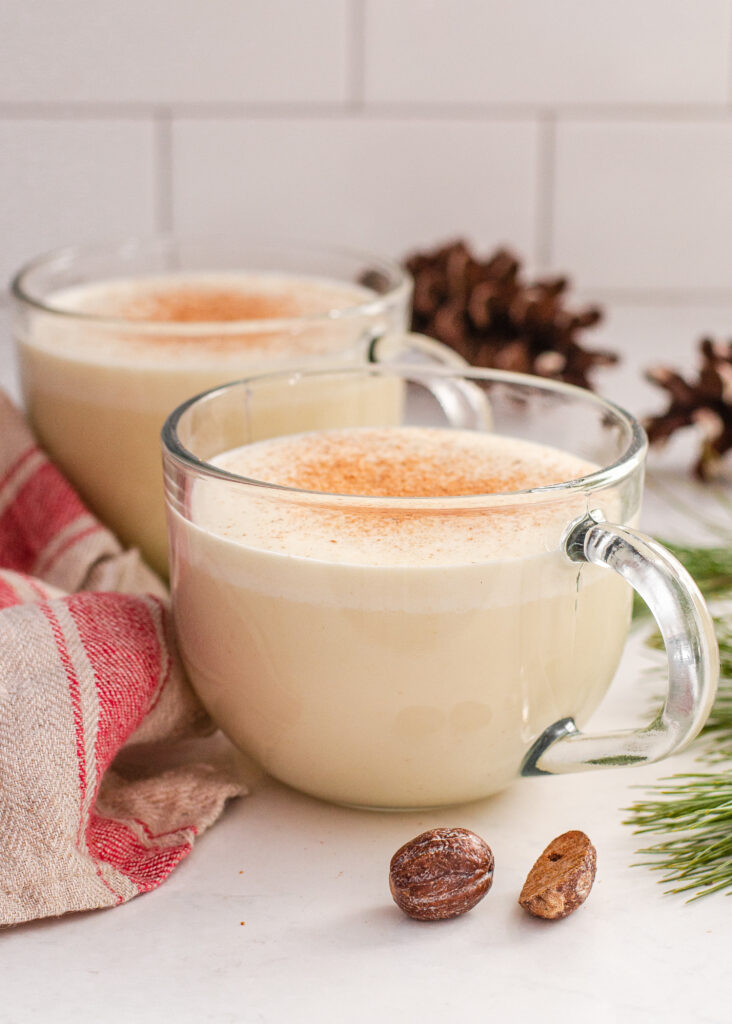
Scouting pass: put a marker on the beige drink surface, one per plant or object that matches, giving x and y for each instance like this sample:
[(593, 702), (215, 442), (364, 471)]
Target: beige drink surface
[(380, 655), (98, 392)]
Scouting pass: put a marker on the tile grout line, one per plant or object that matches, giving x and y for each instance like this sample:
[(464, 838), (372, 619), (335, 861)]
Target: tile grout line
[(76, 111), (163, 170), (79, 111), (545, 191), (356, 54)]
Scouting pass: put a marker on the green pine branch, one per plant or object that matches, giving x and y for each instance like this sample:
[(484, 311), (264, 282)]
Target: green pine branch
[(711, 567), (699, 807), (692, 813)]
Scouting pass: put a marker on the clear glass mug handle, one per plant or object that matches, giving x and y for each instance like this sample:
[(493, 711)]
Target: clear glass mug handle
[(464, 404), (390, 348), (691, 647)]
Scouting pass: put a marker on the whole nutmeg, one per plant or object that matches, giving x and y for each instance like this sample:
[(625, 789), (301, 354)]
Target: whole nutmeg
[(561, 879), (441, 873)]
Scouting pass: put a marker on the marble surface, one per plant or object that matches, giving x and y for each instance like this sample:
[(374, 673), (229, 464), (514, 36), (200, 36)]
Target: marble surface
[(282, 912)]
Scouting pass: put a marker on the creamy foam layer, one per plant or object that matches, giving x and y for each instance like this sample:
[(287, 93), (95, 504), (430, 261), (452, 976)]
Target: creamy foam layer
[(185, 300), (400, 462)]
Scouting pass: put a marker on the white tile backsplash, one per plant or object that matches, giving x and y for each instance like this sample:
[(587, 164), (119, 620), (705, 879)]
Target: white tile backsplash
[(380, 184), (593, 137), (175, 51), (534, 51), (67, 182), (643, 205)]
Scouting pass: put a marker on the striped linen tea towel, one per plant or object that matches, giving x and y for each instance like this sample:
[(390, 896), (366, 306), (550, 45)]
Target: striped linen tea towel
[(88, 666)]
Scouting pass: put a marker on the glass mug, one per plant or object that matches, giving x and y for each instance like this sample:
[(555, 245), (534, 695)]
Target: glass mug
[(106, 353), (406, 652)]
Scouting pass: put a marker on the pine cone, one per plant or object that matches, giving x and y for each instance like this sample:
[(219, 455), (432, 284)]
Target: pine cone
[(493, 318), (705, 403)]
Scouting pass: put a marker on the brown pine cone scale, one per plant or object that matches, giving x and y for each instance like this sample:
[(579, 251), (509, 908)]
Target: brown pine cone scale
[(491, 316)]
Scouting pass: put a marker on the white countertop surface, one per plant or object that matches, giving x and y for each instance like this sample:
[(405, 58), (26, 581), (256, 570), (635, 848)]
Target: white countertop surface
[(282, 912)]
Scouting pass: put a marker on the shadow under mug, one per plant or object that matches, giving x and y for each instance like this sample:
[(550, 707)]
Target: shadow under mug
[(99, 385), (438, 676)]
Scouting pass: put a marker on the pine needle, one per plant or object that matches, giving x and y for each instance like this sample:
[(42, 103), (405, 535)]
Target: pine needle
[(718, 727), (691, 814), (693, 811), (719, 724), (711, 568), (699, 806)]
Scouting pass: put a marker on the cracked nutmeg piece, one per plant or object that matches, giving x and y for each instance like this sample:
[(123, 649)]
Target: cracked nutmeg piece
[(493, 317), (705, 403), (561, 879), (441, 873)]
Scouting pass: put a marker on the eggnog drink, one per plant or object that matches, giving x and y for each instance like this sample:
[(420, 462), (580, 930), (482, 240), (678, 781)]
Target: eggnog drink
[(102, 370), (398, 651)]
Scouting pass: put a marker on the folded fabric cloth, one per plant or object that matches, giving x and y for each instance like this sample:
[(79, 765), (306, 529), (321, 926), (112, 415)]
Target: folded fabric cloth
[(88, 665)]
